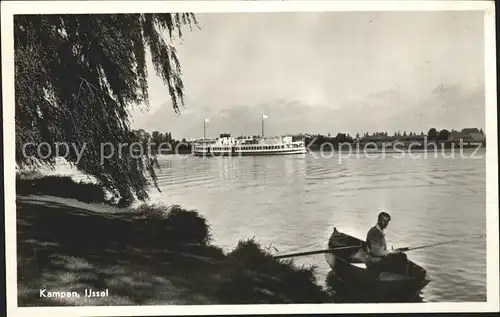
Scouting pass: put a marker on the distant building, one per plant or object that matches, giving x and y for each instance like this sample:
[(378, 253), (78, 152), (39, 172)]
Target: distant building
[(470, 135), (470, 130), (478, 137), (456, 136)]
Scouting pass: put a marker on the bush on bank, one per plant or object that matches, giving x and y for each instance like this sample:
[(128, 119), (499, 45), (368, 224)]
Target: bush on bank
[(256, 276), (59, 186), (170, 226), (146, 225)]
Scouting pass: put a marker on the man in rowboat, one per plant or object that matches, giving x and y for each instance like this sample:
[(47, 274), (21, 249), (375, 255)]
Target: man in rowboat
[(378, 257)]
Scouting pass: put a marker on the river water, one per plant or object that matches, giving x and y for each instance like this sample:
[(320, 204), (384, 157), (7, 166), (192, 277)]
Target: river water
[(293, 203)]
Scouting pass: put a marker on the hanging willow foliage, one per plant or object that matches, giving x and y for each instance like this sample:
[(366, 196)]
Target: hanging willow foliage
[(76, 78)]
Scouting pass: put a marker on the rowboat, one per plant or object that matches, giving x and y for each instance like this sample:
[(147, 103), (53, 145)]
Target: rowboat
[(351, 279)]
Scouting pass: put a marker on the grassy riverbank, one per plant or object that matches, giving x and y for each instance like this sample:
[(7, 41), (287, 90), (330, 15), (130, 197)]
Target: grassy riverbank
[(71, 241)]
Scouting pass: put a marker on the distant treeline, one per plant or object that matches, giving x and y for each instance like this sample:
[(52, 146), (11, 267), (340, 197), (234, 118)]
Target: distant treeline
[(443, 138), (164, 143)]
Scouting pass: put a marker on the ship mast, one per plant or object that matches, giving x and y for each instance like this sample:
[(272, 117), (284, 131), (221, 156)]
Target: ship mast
[(205, 128), (263, 118)]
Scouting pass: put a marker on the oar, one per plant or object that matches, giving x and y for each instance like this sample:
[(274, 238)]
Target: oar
[(439, 243), (315, 252)]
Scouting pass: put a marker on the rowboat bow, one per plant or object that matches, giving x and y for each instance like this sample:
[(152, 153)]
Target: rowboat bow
[(351, 278)]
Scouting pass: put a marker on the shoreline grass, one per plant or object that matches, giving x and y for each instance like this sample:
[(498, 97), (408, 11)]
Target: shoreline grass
[(60, 186), (148, 255)]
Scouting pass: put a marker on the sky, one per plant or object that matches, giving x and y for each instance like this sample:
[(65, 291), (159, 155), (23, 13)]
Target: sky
[(324, 72)]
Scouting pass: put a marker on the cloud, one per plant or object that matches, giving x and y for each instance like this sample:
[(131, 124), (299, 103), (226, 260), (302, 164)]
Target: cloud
[(326, 73)]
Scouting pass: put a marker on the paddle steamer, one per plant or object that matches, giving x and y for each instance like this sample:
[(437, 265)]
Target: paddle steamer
[(226, 145)]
